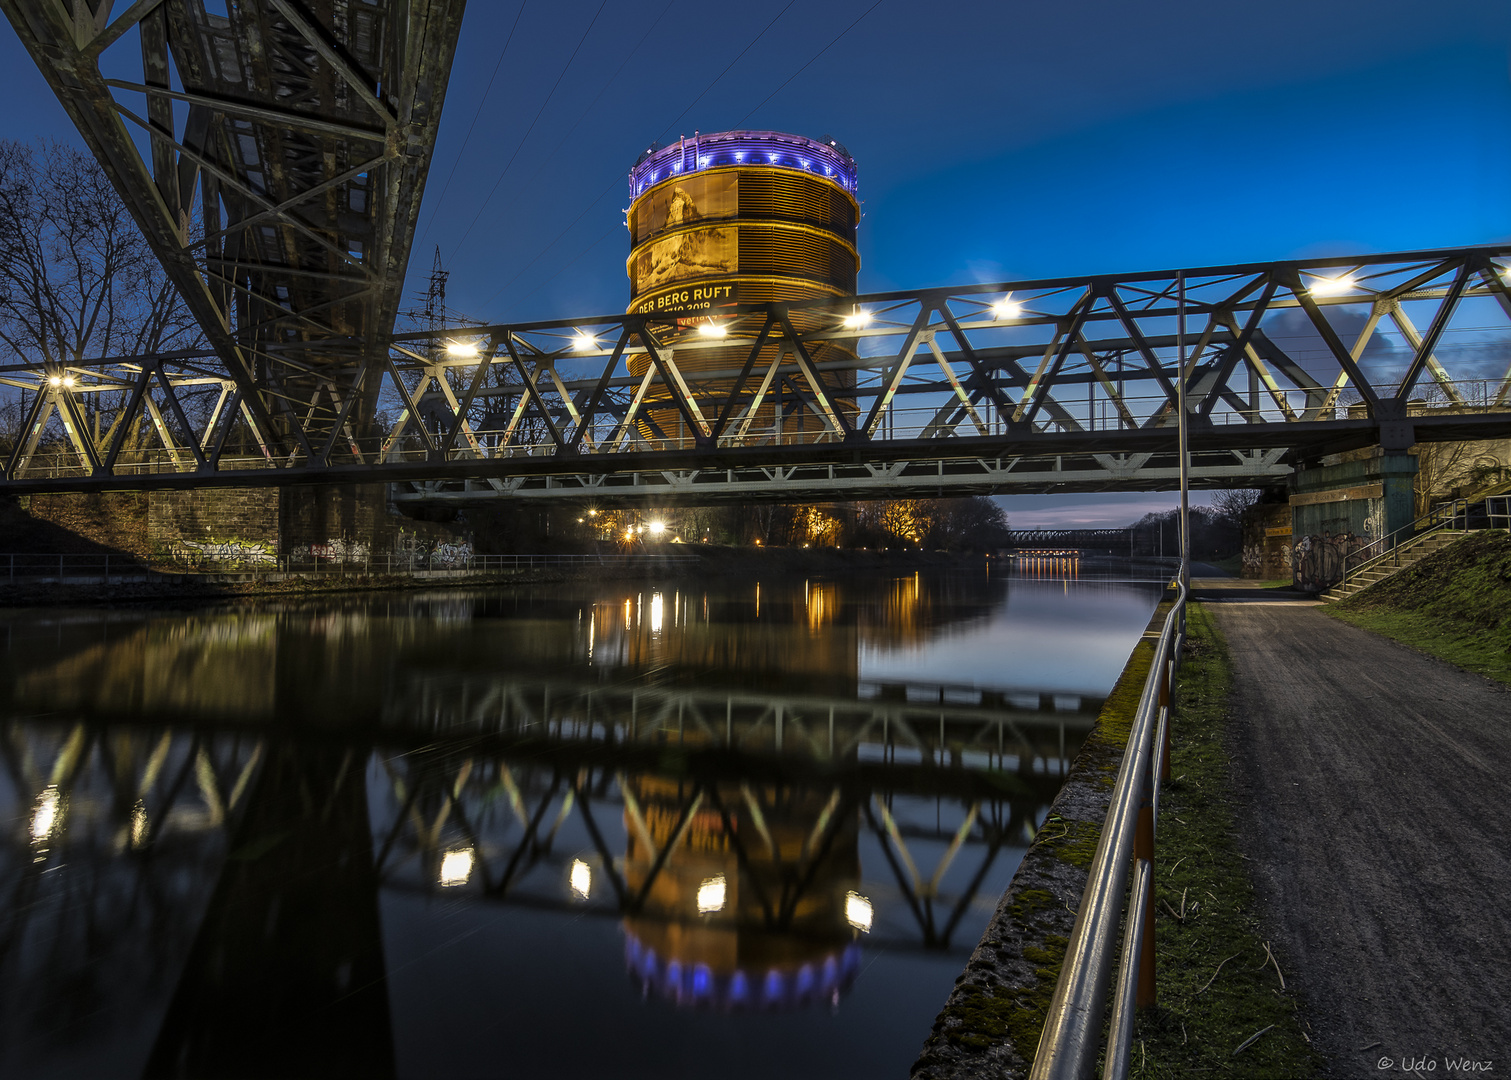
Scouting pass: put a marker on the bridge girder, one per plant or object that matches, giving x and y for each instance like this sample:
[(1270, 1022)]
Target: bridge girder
[(274, 158), (1056, 385)]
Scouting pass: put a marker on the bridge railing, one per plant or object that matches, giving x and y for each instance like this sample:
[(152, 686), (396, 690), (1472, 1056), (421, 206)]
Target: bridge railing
[(1071, 1039)]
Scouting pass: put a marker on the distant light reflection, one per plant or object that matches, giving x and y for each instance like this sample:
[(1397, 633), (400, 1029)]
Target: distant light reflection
[(858, 912), (45, 816), (581, 878), (456, 867), (655, 613), (139, 825), (711, 895)]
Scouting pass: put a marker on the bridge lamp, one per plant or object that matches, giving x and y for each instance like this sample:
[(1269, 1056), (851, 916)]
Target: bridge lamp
[(657, 528), (456, 867), (1332, 286), (858, 911), (68, 381), (1007, 308), (54, 381), (711, 895), (858, 318), (462, 350), (713, 330), (581, 878), (584, 341)]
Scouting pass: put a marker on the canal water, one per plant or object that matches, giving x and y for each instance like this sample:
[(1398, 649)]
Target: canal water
[(623, 829)]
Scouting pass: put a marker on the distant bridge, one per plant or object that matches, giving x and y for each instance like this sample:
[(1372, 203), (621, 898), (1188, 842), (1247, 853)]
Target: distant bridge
[(1112, 540)]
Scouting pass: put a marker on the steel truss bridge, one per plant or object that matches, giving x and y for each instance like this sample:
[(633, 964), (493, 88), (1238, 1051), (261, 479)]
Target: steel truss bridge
[(275, 158), (1069, 384)]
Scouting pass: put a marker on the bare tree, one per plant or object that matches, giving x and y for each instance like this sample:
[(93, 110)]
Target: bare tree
[(1233, 503), (77, 279)]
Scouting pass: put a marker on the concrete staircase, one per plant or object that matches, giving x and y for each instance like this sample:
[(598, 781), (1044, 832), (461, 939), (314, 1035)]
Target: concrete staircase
[(1393, 562)]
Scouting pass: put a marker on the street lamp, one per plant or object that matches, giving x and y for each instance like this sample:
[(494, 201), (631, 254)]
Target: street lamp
[(1332, 286), (462, 350), (1007, 308)]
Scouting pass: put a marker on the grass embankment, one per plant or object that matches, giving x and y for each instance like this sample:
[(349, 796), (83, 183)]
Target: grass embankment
[(1455, 604), (1217, 984)]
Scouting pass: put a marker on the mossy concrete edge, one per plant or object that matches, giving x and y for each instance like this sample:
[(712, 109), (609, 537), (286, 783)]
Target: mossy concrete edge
[(990, 1025)]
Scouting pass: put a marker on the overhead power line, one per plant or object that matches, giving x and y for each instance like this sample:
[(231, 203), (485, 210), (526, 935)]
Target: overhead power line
[(810, 62), (468, 232), (441, 198)]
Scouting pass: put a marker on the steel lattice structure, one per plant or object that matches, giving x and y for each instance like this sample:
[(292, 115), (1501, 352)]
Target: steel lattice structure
[(1064, 384), (274, 158)]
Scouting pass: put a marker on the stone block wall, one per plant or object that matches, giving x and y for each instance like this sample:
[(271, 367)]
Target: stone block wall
[(1267, 542), (250, 526), (219, 522)]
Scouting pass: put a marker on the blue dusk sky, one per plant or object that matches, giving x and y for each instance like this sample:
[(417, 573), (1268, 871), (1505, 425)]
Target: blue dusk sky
[(995, 141)]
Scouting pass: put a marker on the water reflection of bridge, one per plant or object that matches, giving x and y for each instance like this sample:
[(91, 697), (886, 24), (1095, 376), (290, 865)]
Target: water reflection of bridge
[(889, 722), (723, 829)]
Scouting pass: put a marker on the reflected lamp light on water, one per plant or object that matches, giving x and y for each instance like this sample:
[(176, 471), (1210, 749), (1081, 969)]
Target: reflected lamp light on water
[(456, 867), (1332, 286), (656, 613), (711, 895), (858, 911), (44, 816), (1007, 308), (581, 878), (461, 350), (140, 827)]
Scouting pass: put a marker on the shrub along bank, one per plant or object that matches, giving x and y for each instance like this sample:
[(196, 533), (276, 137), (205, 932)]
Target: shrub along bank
[(1455, 604)]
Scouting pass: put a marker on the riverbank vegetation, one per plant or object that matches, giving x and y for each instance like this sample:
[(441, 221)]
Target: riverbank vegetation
[(1224, 1006), (1455, 604)]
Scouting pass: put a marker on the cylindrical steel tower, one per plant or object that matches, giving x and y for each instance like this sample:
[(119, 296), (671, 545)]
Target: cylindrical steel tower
[(740, 217)]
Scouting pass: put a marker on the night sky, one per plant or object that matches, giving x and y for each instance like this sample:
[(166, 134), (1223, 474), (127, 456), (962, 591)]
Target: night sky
[(995, 140)]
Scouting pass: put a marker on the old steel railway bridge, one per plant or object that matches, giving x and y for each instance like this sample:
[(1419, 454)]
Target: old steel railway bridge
[(275, 159)]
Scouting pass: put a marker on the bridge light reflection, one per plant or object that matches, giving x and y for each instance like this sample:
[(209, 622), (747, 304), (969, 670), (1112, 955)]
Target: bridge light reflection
[(456, 867), (139, 825), (711, 895), (44, 817), (655, 613), (581, 878), (858, 911)]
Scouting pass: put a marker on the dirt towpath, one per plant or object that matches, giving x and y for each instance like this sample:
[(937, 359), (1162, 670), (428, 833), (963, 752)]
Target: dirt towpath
[(1375, 786)]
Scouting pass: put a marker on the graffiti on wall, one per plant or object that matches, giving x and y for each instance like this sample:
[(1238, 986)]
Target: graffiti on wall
[(425, 553), (1317, 562), (233, 552), (340, 550)]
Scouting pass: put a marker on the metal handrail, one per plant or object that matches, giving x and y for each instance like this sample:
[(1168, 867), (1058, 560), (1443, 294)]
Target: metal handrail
[(1439, 517), (1072, 1030)]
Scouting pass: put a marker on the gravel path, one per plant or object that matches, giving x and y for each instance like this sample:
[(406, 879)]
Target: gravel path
[(1376, 805)]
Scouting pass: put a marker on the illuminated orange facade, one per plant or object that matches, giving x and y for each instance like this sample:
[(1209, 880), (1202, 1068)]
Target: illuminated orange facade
[(739, 217)]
